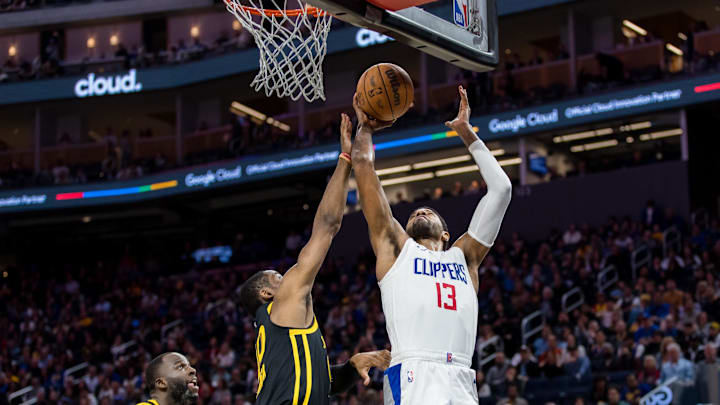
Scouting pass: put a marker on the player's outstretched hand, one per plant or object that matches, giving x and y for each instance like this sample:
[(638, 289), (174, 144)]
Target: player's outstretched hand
[(363, 362), (364, 121), (463, 117), (345, 134)]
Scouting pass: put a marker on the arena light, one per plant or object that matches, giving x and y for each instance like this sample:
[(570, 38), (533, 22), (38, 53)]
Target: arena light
[(594, 145), (236, 25), (510, 162), (583, 135), (114, 40), (407, 179), (12, 51), (195, 31), (393, 170), (245, 110), (636, 126), (441, 162), (277, 124), (661, 134), (634, 27), (473, 168), (682, 36), (451, 160), (91, 42), (674, 49), (628, 33), (457, 170)]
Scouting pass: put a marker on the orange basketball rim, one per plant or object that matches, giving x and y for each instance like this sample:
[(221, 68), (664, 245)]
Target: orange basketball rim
[(308, 10)]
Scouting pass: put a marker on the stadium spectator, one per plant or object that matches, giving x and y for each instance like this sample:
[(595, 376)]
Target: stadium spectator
[(614, 397), (599, 390), (572, 236), (631, 391), (483, 387), (526, 364), (577, 365), (513, 397), (497, 374), (677, 366), (473, 188)]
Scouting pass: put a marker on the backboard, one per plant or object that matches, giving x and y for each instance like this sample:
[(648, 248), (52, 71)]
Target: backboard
[(467, 38)]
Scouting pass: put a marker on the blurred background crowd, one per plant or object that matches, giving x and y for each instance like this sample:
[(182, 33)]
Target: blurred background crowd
[(110, 314)]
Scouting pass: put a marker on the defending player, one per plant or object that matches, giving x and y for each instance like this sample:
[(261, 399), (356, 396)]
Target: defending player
[(429, 294), (171, 380), (293, 367)]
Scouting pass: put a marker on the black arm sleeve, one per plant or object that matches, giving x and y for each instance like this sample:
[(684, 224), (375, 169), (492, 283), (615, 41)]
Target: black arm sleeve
[(343, 377)]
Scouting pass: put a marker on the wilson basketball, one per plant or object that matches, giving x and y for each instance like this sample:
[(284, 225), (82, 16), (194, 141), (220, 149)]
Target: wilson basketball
[(385, 92)]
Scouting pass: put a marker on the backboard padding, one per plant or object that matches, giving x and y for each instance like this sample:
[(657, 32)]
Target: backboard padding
[(424, 31)]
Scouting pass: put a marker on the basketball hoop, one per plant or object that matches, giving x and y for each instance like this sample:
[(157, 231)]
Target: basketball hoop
[(292, 44)]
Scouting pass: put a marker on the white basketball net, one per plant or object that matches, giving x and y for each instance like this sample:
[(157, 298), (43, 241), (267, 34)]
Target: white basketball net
[(292, 45)]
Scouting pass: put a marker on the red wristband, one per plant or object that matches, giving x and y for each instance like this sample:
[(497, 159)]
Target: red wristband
[(346, 157)]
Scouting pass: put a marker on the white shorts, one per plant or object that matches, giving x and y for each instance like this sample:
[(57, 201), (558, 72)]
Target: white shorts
[(421, 382)]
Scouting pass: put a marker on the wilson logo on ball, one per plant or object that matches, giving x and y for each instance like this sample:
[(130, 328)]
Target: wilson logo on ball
[(394, 84)]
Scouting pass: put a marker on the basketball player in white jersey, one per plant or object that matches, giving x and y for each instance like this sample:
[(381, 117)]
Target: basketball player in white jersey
[(429, 294)]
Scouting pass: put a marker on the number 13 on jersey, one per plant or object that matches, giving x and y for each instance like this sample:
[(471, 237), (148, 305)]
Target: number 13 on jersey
[(446, 296)]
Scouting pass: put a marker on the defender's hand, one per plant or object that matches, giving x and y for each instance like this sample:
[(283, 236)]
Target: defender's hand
[(364, 361), (345, 134), (463, 117), (366, 122)]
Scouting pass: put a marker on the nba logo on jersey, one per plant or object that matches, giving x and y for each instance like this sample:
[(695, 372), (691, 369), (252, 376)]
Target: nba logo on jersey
[(411, 376), (449, 357), (460, 13)]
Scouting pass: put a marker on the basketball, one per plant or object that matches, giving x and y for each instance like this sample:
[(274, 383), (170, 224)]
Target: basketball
[(385, 92)]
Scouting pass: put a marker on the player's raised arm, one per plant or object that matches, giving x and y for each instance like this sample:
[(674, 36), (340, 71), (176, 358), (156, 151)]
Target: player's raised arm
[(387, 236), (488, 216), (298, 281)]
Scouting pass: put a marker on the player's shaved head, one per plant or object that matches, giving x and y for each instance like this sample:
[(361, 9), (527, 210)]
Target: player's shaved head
[(171, 379), (250, 292), (152, 372)]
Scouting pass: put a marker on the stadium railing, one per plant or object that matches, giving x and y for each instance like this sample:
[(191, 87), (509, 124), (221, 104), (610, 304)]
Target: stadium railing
[(168, 328), (639, 258), (671, 240), (482, 347), (607, 278), (24, 396), (572, 299), (528, 328)]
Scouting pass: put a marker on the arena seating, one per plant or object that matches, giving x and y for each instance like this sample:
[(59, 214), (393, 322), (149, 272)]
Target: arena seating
[(83, 331)]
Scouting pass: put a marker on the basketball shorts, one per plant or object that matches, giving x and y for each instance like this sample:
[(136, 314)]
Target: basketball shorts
[(422, 382)]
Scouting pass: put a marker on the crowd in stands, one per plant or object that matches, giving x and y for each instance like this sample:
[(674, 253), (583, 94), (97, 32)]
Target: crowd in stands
[(618, 345), (509, 94), (18, 5), (50, 64), (21, 5), (247, 138)]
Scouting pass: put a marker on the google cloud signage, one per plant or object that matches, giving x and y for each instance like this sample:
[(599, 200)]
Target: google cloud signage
[(366, 37), (93, 85), (589, 110)]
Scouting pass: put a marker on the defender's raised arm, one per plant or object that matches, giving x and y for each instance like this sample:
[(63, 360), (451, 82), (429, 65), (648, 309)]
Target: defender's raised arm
[(298, 281)]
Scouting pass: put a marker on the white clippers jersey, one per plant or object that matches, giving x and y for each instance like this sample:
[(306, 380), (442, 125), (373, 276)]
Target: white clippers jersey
[(430, 305)]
